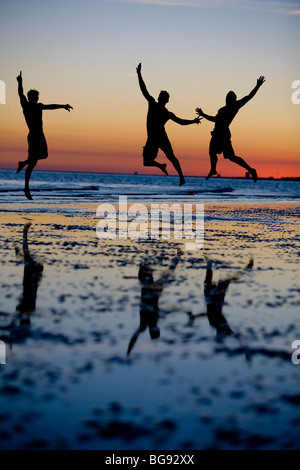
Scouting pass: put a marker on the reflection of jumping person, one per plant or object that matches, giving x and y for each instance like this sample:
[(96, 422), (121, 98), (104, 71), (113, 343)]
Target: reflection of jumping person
[(37, 145), (157, 117), (150, 294), (214, 293), (33, 271), (221, 136)]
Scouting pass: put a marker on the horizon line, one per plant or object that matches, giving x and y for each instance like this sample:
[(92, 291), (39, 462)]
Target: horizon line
[(154, 174)]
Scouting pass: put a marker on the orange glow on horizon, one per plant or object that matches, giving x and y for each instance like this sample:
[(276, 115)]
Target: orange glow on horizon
[(192, 165), (101, 142)]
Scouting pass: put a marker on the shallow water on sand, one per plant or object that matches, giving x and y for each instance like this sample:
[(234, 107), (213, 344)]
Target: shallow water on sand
[(219, 376)]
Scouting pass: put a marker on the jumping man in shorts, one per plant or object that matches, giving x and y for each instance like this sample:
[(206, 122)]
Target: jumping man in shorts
[(37, 145), (157, 117), (221, 136)]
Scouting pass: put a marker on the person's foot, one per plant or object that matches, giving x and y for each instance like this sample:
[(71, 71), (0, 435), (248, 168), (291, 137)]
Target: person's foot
[(254, 175), (182, 181), (164, 168), (210, 174), (27, 194), (20, 166)]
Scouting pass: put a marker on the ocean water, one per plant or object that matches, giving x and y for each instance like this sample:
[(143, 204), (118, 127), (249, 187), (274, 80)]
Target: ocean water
[(69, 188)]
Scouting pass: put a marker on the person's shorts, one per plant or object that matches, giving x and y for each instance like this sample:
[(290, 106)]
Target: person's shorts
[(221, 145), (152, 147), (37, 146)]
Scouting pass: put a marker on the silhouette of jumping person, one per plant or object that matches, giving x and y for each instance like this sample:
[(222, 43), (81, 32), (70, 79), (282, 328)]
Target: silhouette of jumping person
[(221, 136), (150, 294), (214, 293), (37, 145), (157, 117)]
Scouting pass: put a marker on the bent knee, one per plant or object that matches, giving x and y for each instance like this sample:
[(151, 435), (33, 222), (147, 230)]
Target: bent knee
[(229, 154), (148, 159), (32, 163)]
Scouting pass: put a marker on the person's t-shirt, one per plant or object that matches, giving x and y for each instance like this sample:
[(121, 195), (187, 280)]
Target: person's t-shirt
[(157, 117), (224, 118)]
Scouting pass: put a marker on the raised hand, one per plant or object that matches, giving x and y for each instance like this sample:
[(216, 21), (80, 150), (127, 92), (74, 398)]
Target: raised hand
[(139, 67), (19, 77), (260, 80), (199, 111)]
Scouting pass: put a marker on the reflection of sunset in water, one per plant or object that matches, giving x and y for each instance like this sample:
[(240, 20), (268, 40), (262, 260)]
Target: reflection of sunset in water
[(219, 360)]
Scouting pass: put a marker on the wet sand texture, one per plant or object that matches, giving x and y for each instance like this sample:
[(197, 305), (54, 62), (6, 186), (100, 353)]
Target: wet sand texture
[(142, 345)]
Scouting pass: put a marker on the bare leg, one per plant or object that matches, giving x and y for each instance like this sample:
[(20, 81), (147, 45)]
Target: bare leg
[(176, 165), (211, 173), (239, 161), (161, 166), (213, 161), (28, 172), (21, 165)]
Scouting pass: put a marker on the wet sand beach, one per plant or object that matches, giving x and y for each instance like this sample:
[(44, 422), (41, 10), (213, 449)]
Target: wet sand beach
[(140, 344)]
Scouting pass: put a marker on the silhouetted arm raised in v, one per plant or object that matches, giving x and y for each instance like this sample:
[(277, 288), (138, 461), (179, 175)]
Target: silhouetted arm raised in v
[(142, 83), (252, 93), (20, 88)]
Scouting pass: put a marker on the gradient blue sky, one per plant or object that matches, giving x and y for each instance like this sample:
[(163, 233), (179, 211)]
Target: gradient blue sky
[(84, 52)]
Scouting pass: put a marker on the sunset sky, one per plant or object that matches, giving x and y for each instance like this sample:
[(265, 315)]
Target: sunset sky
[(85, 53)]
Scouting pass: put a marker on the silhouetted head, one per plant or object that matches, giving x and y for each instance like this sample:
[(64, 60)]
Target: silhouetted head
[(230, 98), (163, 97), (33, 96)]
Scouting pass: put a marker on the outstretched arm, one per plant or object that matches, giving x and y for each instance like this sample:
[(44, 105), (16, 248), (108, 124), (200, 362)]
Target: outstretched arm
[(206, 116), (184, 122), (247, 98), (142, 83), (20, 88), (67, 107)]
